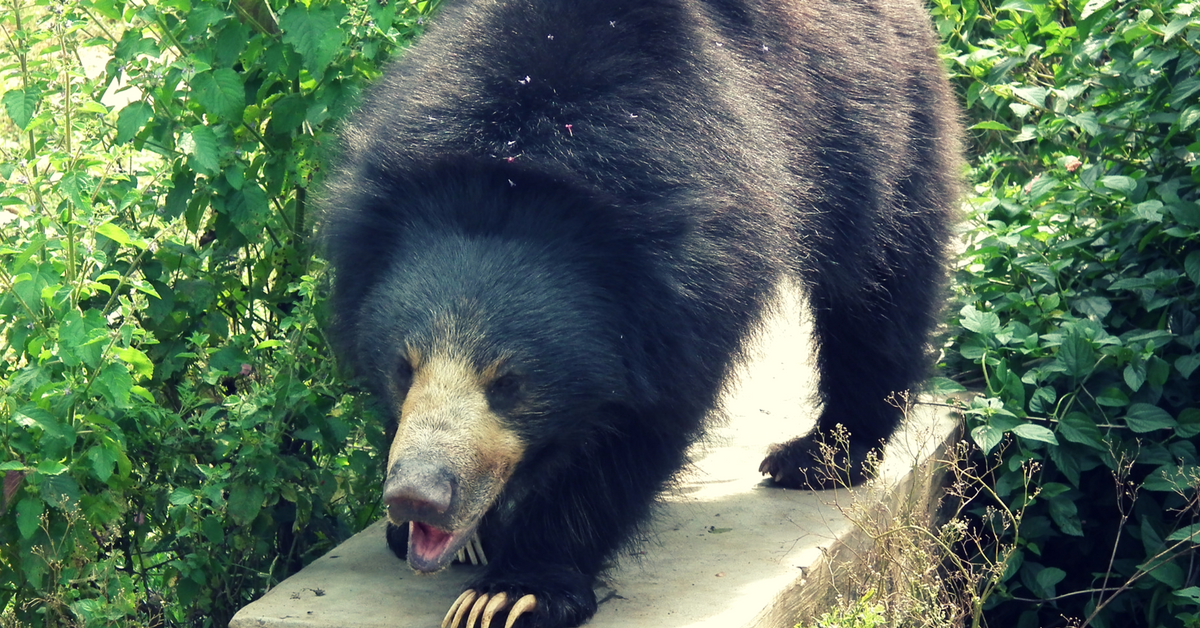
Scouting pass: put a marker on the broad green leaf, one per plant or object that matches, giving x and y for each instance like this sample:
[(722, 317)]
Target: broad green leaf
[(987, 437), (138, 360), (1066, 516), (1119, 183), (1092, 307), (1182, 92), (113, 383), (1188, 423), (315, 32), (61, 491), (1191, 595), (21, 104), (1167, 573), (245, 501), (132, 119), (980, 322), (200, 143), (1092, 7), (1187, 364), (1135, 375), (1191, 264), (113, 232), (103, 461), (1088, 122), (1048, 577), (992, 125), (1075, 355), (1186, 533), (936, 385), (221, 93), (1078, 427), (29, 515), (1033, 95), (181, 497), (1143, 418), (1033, 432)]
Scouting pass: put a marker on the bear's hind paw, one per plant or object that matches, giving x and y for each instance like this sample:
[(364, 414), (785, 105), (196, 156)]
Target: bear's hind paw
[(480, 609)]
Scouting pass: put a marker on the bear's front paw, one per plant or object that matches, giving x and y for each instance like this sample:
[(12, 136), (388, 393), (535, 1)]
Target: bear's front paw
[(554, 598), (479, 609), (817, 463)]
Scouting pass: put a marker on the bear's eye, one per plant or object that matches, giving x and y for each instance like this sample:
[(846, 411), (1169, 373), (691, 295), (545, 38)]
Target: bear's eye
[(505, 389), (404, 376)]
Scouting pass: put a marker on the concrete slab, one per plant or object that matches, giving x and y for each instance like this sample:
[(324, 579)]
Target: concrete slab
[(726, 550)]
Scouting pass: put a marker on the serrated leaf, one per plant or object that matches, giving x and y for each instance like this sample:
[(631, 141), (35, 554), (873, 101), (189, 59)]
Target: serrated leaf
[(21, 104), (181, 497), (1143, 418), (314, 32), (1186, 533), (221, 93), (103, 461), (200, 144), (1075, 355), (114, 383), (132, 119)]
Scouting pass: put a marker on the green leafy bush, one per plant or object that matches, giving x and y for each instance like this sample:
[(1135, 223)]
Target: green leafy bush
[(173, 438), (1079, 298)]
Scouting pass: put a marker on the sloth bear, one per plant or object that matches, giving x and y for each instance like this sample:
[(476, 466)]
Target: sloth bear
[(556, 223)]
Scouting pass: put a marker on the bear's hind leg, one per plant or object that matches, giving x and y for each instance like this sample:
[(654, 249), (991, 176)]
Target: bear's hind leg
[(869, 352)]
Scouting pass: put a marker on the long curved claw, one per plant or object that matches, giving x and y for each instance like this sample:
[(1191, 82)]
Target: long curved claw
[(479, 609), (524, 605), (461, 605), (497, 603)]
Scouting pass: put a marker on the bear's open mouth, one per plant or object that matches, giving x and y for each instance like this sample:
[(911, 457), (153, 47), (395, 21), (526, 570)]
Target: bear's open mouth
[(430, 549)]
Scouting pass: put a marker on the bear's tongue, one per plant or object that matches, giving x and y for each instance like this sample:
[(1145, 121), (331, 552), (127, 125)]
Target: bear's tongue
[(427, 546)]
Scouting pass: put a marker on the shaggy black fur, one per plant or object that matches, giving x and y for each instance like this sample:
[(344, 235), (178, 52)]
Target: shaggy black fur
[(611, 192)]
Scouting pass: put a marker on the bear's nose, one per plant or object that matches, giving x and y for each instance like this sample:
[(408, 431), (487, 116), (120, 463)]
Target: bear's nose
[(419, 489)]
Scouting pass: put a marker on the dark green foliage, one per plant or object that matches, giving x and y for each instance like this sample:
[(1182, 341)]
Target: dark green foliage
[(173, 438), (1079, 300)]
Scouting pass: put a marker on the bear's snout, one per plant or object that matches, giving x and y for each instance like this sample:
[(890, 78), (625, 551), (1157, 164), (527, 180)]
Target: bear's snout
[(418, 491)]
